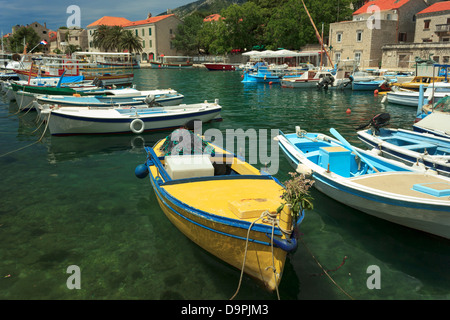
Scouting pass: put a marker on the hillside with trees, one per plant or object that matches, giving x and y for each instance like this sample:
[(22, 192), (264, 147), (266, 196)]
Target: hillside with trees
[(246, 25)]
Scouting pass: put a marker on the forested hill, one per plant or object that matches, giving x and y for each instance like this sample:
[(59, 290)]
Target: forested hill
[(216, 6)]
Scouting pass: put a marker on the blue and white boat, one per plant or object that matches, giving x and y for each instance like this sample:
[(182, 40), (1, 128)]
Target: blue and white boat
[(120, 97), (380, 187), (411, 98), (412, 148), (363, 81), (102, 120), (263, 75)]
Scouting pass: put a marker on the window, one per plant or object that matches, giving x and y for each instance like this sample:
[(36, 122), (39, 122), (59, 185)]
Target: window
[(150, 43), (143, 32), (136, 31), (388, 16), (426, 40), (149, 31), (426, 24), (170, 31), (143, 44), (402, 36), (357, 56), (445, 39), (339, 37), (359, 35), (436, 58), (445, 59), (337, 56)]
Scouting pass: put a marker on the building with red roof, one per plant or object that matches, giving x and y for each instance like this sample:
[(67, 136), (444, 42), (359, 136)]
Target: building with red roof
[(433, 23), (376, 24), (156, 33), (431, 38)]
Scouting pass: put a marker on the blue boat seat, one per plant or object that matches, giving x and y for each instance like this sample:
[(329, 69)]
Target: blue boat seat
[(420, 147)]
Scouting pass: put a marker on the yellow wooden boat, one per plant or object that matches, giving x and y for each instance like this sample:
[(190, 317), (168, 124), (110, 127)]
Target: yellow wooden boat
[(417, 81), (226, 206)]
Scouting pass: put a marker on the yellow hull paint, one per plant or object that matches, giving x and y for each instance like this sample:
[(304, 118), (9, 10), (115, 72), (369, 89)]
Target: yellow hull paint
[(201, 210)]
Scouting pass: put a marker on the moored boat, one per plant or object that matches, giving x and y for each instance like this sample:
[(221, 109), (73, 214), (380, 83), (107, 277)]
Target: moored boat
[(309, 79), (102, 120), (381, 187), (172, 62), (237, 218), (410, 147)]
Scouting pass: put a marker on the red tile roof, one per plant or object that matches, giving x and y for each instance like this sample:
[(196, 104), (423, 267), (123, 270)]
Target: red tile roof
[(213, 17), (439, 6), (147, 21), (109, 21), (382, 4)]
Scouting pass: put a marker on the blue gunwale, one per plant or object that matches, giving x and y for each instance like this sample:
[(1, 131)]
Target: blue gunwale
[(170, 202)]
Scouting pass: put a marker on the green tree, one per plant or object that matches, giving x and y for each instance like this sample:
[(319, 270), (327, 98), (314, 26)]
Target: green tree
[(113, 37), (187, 38), (100, 37), (129, 41), (16, 41), (244, 25)]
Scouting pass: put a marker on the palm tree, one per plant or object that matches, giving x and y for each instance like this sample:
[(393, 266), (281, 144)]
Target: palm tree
[(131, 42), (99, 37), (112, 40)]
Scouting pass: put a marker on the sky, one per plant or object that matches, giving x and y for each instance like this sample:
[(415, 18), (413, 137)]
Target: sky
[(54, 12)]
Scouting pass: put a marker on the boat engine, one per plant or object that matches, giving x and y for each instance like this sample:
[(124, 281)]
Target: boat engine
[(150, 101), (377, 122), (325, 82)]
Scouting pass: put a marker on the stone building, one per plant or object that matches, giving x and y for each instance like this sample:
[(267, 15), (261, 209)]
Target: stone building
[(156, 33), (41, 30), (376, 24), (431, 41)]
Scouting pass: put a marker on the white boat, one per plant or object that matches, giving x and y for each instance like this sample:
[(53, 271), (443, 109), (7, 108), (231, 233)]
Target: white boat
[(375, 185), (404, 97), (82, 120), (309, 79), (437, 123), (126, 97), (410, 147)]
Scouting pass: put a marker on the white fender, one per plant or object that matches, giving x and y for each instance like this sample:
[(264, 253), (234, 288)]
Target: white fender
[(140, 126)]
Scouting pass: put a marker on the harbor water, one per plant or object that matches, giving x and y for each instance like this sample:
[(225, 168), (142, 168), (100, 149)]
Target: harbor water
[(75, 201)]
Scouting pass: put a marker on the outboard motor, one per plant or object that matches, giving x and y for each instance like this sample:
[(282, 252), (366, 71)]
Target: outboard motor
[(150, 100), (377, 122), (325, 82)]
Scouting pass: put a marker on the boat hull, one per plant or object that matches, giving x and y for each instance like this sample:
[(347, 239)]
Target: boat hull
[(249, 243), (366, 85), (72, 121), (370, 194), (225, 241), (221, 66)]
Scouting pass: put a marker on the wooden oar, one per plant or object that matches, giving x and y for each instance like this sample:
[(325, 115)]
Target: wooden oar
[(348, 145)]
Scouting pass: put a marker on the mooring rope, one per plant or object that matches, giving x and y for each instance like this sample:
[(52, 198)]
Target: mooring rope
[(265, 214), (325, 271), (29, 145)]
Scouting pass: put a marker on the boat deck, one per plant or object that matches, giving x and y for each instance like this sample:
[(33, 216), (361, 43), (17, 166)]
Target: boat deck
[(408, 184)]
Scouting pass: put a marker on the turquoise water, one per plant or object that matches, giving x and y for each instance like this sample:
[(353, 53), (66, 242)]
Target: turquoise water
[(76, 201)]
